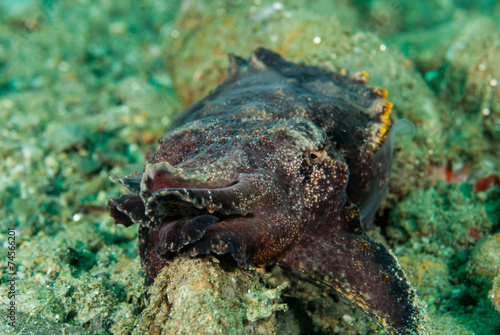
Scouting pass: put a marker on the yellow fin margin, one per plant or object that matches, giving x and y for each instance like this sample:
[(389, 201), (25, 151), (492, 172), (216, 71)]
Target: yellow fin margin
[(385, 121)]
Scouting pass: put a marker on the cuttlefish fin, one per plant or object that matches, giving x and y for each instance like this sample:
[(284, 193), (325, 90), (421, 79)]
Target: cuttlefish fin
[(339, 257)]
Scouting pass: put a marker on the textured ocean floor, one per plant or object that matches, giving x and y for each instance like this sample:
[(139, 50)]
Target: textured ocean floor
[(86, 87)]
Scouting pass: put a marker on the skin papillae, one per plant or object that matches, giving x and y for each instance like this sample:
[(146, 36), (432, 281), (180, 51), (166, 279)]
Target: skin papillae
[(274, 166)]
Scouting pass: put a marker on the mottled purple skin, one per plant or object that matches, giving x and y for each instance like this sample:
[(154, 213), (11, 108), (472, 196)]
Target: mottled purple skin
[(267, 168)]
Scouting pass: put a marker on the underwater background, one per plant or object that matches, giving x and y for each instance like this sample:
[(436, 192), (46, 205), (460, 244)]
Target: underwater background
[(86, 87)]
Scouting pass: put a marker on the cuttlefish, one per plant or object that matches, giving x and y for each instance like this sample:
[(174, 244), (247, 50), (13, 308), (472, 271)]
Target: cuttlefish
[(283, 164)]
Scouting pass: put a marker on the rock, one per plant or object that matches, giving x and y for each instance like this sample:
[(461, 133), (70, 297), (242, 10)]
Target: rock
[(61, 137), (484, 262), (446, 215), (203, 295)]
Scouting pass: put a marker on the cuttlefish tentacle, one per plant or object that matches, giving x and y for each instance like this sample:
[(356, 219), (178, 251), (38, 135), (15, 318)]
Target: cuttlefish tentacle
[(233, 199), (127, 210), (251, 241), (340, 257)]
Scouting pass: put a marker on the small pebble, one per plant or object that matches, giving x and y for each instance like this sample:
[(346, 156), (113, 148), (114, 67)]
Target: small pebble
[(347, 318)]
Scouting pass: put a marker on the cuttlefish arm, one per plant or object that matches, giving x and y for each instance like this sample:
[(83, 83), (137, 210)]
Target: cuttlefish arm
[(340, 258)]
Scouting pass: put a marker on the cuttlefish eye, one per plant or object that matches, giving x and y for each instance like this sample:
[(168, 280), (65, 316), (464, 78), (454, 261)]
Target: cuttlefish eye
[(314, 157)]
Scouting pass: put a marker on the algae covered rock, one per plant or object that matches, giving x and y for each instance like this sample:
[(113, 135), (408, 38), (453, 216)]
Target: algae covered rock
[(460, 61), (452, 215), (484, 262), (464, 71), (77, 278), (203, 295), (483, 267), (495, 293)]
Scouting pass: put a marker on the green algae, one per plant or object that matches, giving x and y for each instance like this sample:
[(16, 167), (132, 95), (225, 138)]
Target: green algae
[(443, 237), (451, 215)]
